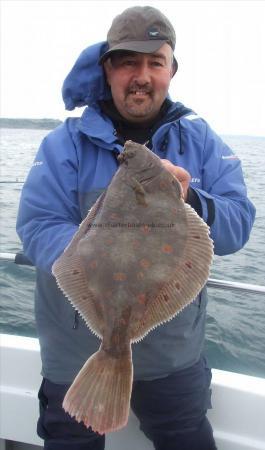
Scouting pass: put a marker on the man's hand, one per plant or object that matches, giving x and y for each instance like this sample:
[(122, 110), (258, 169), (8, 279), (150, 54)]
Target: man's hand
[(181, 174)]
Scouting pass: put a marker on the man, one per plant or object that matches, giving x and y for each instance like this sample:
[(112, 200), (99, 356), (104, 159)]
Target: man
[(125, 83)]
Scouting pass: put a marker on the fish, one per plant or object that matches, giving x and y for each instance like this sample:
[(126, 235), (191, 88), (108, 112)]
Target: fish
[(139, 257)]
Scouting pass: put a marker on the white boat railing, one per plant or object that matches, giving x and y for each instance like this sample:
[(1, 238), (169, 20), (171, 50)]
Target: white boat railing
[(21, 259)]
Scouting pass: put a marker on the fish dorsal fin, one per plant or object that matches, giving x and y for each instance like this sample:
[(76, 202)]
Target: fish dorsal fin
[(188, 278), (72, 280)]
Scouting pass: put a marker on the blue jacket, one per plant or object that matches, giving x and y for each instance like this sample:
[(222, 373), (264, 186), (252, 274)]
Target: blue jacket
[(74, 164)]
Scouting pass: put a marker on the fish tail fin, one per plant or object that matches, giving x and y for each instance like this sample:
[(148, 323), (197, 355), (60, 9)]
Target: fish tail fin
[(100, 393)]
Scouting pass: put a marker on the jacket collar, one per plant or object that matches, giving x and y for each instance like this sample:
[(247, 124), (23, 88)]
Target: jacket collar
[(100, 129)]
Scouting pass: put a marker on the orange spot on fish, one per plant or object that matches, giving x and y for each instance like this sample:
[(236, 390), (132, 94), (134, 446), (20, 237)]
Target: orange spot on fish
[(93, 264), (119, 276), (167, 248), (196, 236), (166, 297), (146, 229), (114, 216), (188, 264), (140, 275), (108, 241), (145, 263), (108, 294), (122, 321), (136, 244), (177, 286), (115, 339), (163, 185), (141, 298)]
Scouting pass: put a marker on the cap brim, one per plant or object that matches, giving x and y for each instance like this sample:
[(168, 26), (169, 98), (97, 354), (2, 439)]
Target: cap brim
[(150, 46)]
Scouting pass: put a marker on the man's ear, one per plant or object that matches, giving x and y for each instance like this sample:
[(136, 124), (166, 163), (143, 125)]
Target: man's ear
[(108, 70), (174, 68)]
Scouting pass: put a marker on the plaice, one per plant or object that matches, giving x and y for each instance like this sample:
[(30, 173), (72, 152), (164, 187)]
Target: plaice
[(140, 256)]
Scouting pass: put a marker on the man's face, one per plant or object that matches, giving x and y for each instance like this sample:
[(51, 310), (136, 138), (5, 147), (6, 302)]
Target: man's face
[(139, 82)]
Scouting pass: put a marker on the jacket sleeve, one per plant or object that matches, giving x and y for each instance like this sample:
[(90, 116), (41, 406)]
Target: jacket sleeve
[(48, 213), (224, 202)]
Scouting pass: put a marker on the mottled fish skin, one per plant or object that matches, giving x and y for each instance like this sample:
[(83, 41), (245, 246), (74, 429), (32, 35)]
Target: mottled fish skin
[(140, 256)]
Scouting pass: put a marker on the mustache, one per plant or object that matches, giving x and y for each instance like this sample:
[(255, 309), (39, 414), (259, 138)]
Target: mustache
[(135, 87)]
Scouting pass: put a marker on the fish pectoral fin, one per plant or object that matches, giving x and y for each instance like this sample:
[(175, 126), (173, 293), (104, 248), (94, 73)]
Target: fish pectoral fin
[(100, 394), (139, 191), (70, 277)]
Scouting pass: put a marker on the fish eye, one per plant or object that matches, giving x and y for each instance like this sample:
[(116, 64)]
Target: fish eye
[(130, 153)]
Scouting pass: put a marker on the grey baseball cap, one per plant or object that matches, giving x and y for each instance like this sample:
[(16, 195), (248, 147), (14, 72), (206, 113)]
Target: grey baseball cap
[(141, 29)]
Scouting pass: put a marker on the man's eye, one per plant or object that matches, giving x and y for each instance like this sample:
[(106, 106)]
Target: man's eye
[(128, 62), (157, 64)]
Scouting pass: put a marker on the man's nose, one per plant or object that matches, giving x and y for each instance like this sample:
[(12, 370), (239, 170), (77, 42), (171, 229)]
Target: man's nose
[(142, 73)]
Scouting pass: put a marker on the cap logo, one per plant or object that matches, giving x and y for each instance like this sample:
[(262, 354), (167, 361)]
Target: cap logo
[(153, 33)]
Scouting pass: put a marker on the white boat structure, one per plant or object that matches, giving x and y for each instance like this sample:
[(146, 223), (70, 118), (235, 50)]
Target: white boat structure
[(237, 417)]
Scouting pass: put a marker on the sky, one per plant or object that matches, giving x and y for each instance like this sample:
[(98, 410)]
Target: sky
[(220, 49)]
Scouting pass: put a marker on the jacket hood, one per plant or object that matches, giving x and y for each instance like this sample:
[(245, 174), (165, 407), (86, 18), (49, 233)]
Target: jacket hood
[(86, 84)]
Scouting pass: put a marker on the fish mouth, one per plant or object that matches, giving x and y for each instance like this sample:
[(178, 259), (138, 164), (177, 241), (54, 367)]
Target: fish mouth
[(124, 156)]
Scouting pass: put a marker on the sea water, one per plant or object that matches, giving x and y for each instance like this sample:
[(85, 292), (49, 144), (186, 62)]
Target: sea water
[(235, 337)]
